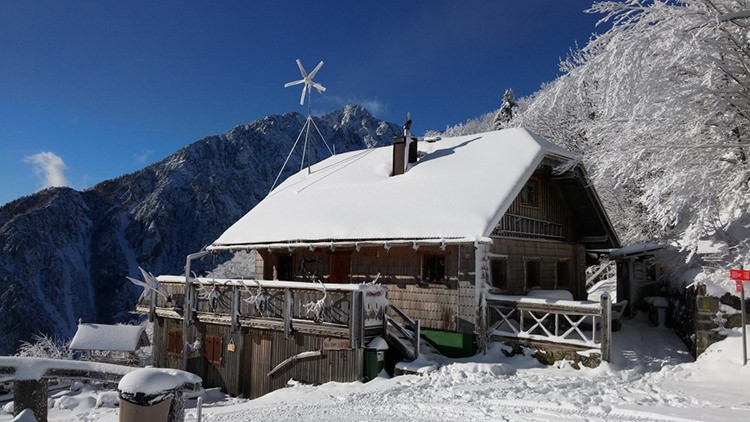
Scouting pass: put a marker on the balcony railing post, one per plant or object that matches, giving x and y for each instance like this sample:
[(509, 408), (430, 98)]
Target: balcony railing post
[(606, 328), (288, 312)]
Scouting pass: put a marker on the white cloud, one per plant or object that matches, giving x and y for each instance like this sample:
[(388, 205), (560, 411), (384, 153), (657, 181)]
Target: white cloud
[(143, 156), (48, 168)]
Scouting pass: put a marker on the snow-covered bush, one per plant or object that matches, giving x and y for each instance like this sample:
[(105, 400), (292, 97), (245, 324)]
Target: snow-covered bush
[(45, 346)]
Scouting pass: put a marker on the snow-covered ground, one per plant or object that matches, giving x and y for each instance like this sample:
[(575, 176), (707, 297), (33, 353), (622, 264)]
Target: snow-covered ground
[(652, 378)]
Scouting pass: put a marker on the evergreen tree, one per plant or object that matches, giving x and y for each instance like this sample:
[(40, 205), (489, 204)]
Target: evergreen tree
[(505, 114)]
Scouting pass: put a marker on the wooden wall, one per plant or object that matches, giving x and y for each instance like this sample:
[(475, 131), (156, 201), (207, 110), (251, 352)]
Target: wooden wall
[(549, 219), (244, 371), (517, 251)]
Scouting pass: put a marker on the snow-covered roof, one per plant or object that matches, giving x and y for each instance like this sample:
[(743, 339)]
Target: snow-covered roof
[(459, 189), (637, 249), (121, 338)]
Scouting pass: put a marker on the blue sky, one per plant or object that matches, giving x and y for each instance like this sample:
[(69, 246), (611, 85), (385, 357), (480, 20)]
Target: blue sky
[(105, 88)]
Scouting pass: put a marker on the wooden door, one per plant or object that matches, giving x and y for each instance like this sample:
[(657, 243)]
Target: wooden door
[(340, 267), (260, 366), (255, 365)]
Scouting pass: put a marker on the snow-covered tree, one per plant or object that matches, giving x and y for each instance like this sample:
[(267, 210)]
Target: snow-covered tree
[(659, 106), (505, 113)]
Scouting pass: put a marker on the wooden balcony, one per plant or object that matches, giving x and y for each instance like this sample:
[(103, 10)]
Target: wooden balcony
[(352, 311)]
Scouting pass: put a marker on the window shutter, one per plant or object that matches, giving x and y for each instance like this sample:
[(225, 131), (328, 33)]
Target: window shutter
[(174, 343), (213, 349)]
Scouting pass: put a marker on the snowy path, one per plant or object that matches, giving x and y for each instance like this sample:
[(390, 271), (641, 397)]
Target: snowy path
[(653, 379)]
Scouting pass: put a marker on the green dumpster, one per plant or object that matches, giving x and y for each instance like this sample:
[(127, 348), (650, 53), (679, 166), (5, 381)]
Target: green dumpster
[(375, 357)]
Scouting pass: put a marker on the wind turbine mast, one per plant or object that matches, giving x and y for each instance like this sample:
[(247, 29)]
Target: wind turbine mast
[(309, 84)]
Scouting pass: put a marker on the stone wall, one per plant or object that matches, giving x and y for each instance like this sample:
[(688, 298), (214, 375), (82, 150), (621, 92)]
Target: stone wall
[(697, 319)]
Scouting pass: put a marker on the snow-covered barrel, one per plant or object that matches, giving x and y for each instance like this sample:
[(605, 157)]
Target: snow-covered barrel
[(155, 394)]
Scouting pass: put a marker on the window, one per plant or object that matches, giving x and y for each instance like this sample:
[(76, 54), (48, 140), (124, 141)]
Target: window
[(499, 273), (278, 267), (174, 343), (433, 268), (562, 274), (530, 193), (284, 268), (213, 349), (532, 274)]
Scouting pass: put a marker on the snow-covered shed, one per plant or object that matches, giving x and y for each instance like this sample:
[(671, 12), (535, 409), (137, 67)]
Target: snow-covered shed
[(109, 342), (440, 223)]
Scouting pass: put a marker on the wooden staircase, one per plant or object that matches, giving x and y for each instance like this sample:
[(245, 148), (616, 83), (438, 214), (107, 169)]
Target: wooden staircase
[(402, 332)]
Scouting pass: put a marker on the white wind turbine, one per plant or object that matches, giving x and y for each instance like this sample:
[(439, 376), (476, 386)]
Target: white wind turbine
[(307, 88), (309, 84)]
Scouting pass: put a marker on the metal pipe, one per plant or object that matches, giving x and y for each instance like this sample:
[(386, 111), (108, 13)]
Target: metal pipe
[(187, 312), (744, 324)]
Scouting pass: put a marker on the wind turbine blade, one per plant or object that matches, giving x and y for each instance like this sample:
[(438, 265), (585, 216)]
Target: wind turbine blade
[(317, 68), (138, 282), (302, 98), (319, 87), (301, 69), (288, 84)]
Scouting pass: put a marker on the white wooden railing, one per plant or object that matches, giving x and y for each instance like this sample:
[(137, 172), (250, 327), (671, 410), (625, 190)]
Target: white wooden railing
[(582, 324)]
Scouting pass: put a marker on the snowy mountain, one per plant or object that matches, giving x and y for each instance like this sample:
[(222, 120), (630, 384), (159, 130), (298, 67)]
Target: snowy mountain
[(66, 253)]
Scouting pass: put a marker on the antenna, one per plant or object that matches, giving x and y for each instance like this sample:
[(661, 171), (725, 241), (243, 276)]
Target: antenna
[(309, 84)]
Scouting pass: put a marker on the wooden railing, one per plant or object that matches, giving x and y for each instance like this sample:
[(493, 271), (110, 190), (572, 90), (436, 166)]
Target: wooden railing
[(402, 331), (604, 271), (585, 325), (343, 310), (520, 226), (31, 378)]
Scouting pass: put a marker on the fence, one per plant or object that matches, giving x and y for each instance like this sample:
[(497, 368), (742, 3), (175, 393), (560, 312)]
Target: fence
[(585, 325)]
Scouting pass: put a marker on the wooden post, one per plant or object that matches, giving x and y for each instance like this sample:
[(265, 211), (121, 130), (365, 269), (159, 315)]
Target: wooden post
[(152, 307), (361, 319), (235, 309), (357, 318), (31, 394), (417, 336), (606, 328), (288, 312)]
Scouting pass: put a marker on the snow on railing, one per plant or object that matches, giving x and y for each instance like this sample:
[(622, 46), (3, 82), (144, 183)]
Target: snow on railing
[(583, 324)]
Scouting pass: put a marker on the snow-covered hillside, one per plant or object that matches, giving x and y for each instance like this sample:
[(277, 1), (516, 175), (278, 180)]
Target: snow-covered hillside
[(65, 254), (652, 378)]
